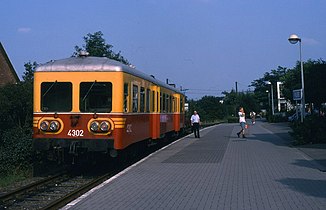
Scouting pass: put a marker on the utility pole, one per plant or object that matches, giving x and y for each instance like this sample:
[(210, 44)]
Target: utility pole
[(236, 87)]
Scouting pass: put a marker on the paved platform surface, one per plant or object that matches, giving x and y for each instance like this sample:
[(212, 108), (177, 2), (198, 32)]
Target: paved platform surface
[(218, 171)]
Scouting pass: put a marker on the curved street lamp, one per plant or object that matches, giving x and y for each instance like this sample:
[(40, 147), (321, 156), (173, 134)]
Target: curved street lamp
[(293, 39)]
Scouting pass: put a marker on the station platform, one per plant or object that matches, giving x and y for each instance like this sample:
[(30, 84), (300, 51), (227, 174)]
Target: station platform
[(217, 171)]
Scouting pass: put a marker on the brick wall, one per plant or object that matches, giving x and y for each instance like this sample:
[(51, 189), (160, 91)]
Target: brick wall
[(7, 72)]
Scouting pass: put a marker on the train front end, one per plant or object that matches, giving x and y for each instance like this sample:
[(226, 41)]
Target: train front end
[(73, 108)]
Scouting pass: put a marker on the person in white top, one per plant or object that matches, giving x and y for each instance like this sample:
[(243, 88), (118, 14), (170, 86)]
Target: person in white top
[(242, 121), (195, 121), (253, 117)]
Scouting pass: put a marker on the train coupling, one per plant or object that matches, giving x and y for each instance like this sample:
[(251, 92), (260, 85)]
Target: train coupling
[(73, 148)]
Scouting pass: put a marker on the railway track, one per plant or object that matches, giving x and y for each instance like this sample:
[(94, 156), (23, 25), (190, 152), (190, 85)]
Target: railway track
[(56, 191), (52, 192)]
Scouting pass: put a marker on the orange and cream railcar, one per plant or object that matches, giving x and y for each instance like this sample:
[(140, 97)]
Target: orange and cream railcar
[(94, 104)]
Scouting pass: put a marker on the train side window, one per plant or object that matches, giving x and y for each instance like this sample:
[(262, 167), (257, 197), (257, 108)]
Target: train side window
[(142, 99), (134, 98), (181, 105), (174, 108), (171, 104), (161, 102), (148, 94), (95, 97), (167, 103), (56, 96), (153, 102), (164, 103), (125, 97)]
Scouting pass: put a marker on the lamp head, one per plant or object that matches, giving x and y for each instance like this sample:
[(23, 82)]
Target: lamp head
[(293, 39)]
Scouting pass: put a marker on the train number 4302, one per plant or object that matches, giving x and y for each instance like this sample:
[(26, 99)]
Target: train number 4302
[(75, 133)]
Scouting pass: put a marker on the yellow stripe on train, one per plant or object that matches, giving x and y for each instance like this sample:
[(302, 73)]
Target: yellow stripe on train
[(119, 122), (35, 121)]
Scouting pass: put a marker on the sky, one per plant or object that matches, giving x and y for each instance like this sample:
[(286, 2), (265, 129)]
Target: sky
[(203, 46)]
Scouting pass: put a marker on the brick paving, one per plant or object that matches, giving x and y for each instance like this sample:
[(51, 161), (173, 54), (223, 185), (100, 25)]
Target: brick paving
[(217, 171)]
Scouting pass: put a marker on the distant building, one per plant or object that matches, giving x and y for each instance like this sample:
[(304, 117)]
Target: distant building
[(8, 74), (283, 105)]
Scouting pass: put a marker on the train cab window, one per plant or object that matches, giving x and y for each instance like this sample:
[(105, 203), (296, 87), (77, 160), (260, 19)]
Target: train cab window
[(125, 97), (95, 97), (142, 99), (135, 98), (56, 96)]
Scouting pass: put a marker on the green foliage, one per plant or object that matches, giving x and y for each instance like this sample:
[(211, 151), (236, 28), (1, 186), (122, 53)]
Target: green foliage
[(312, 130), (95, 45), (15, 150), (314, 77), (211, 108), (262, 89), (16, 102), (277, 118), (16, 115), (29, 71), (234, 100)]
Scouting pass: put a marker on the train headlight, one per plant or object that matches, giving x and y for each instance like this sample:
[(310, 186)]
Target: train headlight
[(104, 126), (94, 126), (44, 125), (54, 126)]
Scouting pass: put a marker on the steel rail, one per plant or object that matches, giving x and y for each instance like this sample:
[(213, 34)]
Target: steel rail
[(29, 187)]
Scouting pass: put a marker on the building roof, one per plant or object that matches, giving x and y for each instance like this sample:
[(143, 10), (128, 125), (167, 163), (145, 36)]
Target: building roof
[(8, 74)]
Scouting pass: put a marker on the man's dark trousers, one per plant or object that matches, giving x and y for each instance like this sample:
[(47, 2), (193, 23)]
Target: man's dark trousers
[(196, 130)]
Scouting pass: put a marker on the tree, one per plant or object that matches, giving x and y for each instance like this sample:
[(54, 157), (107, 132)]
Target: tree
[(314, 78), (29, 71), (16, 117), (95, 45), (274, 76)]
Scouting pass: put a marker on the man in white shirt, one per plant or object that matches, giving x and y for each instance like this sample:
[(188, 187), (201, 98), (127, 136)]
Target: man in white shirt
[(195, 120)]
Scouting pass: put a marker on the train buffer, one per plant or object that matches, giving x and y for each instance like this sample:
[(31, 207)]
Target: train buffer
[(217, 171)]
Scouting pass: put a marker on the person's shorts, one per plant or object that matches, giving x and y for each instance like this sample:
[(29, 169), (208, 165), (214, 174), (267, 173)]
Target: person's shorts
[(243, 125)]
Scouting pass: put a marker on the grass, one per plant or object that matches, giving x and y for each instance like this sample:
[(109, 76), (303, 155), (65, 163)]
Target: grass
[(10, 179)]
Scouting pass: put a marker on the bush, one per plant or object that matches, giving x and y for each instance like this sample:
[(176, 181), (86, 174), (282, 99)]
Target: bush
[(312, 130), (277, 118), (16, 112), (15, 151), (233, 120)]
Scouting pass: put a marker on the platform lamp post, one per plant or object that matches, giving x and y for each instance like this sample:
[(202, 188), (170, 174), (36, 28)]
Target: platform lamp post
[(293, 39), (272, 94)]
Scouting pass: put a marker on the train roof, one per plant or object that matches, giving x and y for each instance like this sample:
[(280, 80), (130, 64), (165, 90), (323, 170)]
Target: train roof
[(97, 64)]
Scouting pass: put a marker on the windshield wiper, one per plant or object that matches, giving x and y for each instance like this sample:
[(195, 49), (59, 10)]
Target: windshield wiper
[(46, 92), (89, 90)]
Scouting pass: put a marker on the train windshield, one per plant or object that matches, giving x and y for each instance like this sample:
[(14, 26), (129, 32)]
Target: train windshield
[(56, 96), (95, 97)]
